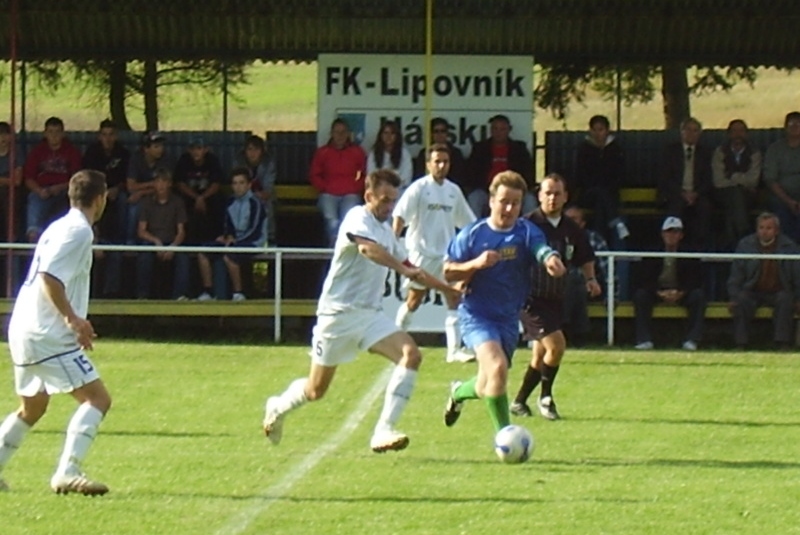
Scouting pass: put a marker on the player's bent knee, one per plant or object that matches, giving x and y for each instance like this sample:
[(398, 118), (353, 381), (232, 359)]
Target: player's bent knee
[(412, 356)]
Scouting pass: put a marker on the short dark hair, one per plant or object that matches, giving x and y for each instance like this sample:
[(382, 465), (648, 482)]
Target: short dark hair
[(255, 141), (108, 123), (85, 186), (439, 121), (791, 116), (379, 177), (602, 119), (735, 122), (162, 173), (499, 117), (437, 147), (239, 170), (5, 128), (54, 121)]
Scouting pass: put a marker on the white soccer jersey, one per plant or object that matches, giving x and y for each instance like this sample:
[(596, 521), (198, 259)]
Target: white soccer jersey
[(37, 330), (432, 212), (353, 281)]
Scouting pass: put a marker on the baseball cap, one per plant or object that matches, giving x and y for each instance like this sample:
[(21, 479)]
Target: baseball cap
[(197, 141), (672, 222), (153, 136)]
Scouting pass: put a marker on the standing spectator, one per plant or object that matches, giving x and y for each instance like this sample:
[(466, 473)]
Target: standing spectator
[(685, 185), (198, 177), (47, 171), (337, 173), (432, 208), (8, 177), (245, 226), (388, 152), (599, 174), (261, 164), (754, 282), (543, 314), (736, 169), (440, 132), (782, 176), (162, 221), (141, 177), (492, 156), (675, 281)]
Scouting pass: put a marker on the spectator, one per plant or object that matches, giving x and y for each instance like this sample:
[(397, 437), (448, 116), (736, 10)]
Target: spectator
[(782, 176), (261, 164), (141, 177), (162, 221), (8, 177), (198, 177), (754, 282), (492, 156), (337, 172), (736, 170), (674, 281), (245, 226), (388, 152), (440, 130), (685, 185), (599, 174), (47, 171)]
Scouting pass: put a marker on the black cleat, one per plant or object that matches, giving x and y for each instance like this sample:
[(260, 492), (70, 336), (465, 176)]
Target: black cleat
[(520, 409), (452, 410), (547, 408)]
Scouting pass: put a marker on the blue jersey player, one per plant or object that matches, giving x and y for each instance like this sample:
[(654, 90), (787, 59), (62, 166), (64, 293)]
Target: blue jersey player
[(494, 257)]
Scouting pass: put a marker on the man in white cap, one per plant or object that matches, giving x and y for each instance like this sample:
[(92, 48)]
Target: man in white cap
[(673, 281)]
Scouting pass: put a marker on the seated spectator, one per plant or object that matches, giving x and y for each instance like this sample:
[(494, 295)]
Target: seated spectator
[(198, 177), (8, 177), (736, 170), (337, 173), (261, 164), (782, 177), (141, 177), (47, 171), (440, 130), (685, 185), (245, 226), (162, 221), (494, 155), (388, 152), (576, 298), (674, 281), (763, 281), (599, 174)]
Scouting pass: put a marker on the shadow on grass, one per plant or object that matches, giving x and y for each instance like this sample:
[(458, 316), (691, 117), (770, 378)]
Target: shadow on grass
[(676, 463), (661, 421), (674, 363), (156, 434)]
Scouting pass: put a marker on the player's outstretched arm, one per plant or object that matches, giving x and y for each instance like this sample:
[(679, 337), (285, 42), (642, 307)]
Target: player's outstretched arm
[(459, 271), (378, 254), (434, 283), (55, 292)]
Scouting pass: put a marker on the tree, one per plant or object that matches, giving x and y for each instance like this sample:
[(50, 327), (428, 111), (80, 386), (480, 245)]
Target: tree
[(561, 85)]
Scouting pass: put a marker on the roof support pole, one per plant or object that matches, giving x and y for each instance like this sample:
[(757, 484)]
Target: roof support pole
[(618, 98), (12, 156), (426, 126), (224, 97)]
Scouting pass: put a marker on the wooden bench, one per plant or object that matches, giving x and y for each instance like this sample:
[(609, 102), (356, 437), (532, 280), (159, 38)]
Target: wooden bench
[(714, 310), (295, 198)]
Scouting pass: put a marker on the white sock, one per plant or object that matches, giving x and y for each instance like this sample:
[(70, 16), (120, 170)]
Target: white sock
[(12, 431), (452, 332), (403, 318), (81, 431), (398, 391), (293, 397)]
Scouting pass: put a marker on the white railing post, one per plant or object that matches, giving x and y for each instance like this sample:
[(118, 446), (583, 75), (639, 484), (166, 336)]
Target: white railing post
[(278, 294), (610, 290)]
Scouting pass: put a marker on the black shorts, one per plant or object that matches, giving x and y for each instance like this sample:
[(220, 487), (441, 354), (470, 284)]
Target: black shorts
[(541, 317)]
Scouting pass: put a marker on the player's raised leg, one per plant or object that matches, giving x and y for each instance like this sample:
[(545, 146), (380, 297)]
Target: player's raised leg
[(17, 424)]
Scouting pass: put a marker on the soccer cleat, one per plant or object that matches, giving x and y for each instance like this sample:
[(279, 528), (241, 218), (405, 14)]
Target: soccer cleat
[(273, 422), (64, 484), (452, 410), (3, 486), (520, 409), (644, 346), (238, 296), (461, 355), (205, 296), (547, 408), (388, 440), (690, 345)]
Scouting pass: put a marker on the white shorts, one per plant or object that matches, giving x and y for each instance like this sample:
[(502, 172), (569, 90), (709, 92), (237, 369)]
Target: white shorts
[(432, 264), (56, 375), (338, 338)]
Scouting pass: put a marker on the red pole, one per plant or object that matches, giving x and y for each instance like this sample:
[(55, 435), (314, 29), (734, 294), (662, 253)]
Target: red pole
[(13, 148)]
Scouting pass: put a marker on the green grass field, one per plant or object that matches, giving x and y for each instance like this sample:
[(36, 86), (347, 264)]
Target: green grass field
[(656, 442)]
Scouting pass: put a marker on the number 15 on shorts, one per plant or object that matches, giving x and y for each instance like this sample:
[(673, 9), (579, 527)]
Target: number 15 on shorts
[(83, 363)]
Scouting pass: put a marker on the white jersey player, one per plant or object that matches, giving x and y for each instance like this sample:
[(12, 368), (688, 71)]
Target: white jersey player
[(48, 334), (349, 317), (433, 208)]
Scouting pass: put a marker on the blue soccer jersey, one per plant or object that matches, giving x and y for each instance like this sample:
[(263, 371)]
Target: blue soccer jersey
[(498, 293)]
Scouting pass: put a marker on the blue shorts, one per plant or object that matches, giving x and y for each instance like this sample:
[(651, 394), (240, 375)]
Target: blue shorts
[(476, 331)]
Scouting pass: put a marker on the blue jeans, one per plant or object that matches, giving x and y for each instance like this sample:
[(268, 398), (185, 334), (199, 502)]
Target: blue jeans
[(39, 209), (333, 208), (478, 200), (144, 274)]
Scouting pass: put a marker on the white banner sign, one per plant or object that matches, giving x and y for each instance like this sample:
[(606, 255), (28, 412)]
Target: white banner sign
[(429, 317), (466, 90)]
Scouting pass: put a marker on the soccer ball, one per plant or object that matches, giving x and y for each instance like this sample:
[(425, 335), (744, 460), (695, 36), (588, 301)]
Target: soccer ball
[(513, 444)]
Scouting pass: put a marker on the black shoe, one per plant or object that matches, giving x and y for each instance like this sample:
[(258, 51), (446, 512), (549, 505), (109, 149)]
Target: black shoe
[(452, 410), (520, 409), (547, 408)]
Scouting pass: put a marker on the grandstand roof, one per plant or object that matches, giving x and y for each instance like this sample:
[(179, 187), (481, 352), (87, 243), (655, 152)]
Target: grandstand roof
[(722, 32)]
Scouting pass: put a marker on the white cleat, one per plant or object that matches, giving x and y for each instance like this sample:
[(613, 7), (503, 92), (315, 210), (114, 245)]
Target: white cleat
[(273, 422), (388, 440), (462, 355), (64, 484)]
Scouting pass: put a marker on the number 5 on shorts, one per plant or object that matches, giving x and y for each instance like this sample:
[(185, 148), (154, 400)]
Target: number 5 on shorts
[(83, 363)]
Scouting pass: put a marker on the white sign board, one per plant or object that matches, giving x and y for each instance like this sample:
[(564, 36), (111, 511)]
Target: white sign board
[(429, 317), (467, 90)]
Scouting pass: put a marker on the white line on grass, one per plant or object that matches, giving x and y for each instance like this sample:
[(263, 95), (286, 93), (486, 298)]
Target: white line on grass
[(241, 521)]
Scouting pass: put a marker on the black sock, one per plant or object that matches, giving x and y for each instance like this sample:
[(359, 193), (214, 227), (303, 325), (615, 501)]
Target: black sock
[(548, 378), (531, 381)]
